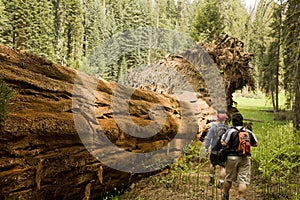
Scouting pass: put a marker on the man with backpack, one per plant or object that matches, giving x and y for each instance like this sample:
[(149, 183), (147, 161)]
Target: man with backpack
[(213, 140), (238, 164)]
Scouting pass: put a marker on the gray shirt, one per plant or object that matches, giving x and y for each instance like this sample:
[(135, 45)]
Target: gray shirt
[(212, 135)]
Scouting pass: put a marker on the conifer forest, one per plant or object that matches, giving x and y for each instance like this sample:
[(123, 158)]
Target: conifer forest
[(67, 31)]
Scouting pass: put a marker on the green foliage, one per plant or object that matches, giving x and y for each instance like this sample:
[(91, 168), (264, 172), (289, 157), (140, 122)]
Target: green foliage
[(235, 17), (260, 28), (215, 17), (192, 160), (1, 7), (28, 26), (208, 23), (14, 29), (69, 32), (1, 15), (40, 35), (3, 21), (93, 14), (277, 157), (6, 93)]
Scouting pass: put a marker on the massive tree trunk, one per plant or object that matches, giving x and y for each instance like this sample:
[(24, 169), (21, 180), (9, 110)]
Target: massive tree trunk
[(70, 136), (296, 106)]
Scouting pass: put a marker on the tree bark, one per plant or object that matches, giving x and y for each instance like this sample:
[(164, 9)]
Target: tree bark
[(50, 142), (296, 106)]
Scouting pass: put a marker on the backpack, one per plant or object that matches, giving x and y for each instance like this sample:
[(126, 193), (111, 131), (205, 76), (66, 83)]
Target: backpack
[(244, 142)]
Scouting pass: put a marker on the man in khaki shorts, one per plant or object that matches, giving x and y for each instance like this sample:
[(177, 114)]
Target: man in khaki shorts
[(238, 166)]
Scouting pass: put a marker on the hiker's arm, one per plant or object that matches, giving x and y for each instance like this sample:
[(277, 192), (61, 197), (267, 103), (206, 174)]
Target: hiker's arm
[(208, 138), (223, 143), (225, 138), (254, 145), (253, 140)]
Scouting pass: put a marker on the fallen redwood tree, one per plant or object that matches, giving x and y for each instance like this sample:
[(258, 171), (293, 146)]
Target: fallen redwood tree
[(51, 141)]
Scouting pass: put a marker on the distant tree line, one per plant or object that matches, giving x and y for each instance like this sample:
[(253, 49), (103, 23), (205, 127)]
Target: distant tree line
[(66, 31)]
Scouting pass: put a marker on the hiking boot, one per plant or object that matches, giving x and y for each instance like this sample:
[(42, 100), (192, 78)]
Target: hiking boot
[(220, 185), (225, 196), (211, 181)]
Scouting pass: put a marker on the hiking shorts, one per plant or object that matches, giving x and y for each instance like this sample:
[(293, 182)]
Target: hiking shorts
[(238, 169), (214, 159)]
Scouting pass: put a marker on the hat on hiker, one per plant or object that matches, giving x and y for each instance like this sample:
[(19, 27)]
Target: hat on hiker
[(221, 116)]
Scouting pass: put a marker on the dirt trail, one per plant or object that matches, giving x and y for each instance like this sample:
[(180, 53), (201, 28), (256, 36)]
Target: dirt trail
[(194, 186), (176, 184)]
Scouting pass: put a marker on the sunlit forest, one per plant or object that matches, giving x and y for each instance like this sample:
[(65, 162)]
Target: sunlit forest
[(67, 31)]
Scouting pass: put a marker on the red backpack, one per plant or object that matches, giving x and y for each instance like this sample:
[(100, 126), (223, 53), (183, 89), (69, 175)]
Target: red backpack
[(244, 142)]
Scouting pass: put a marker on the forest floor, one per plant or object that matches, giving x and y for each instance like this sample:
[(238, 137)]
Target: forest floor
[(186, 184)]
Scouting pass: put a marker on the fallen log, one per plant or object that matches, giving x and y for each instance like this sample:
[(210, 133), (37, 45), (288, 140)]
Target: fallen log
[(71, 136)]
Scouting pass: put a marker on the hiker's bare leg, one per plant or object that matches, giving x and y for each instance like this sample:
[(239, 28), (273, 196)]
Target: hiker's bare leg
[(242, 190), (212, 169), (222, 177), (226, 187), (222, 173)]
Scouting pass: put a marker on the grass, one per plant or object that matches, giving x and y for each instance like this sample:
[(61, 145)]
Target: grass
[(254, 109), (260, 109)]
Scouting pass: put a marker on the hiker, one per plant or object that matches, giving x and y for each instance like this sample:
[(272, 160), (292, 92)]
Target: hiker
[(238, 163), (211, 141)]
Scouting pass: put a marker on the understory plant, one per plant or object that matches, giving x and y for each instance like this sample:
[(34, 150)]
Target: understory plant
[(277, 159)]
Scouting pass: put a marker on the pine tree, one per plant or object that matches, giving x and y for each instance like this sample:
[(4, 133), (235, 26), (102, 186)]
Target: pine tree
[(27, 26), (235, 18), (94, 25), (3, 22), (292, 59), (209, 23), (40, 35), (259, 30), (269, 73), (14, 32), (68, 29), (261, 42), (126, 18)]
